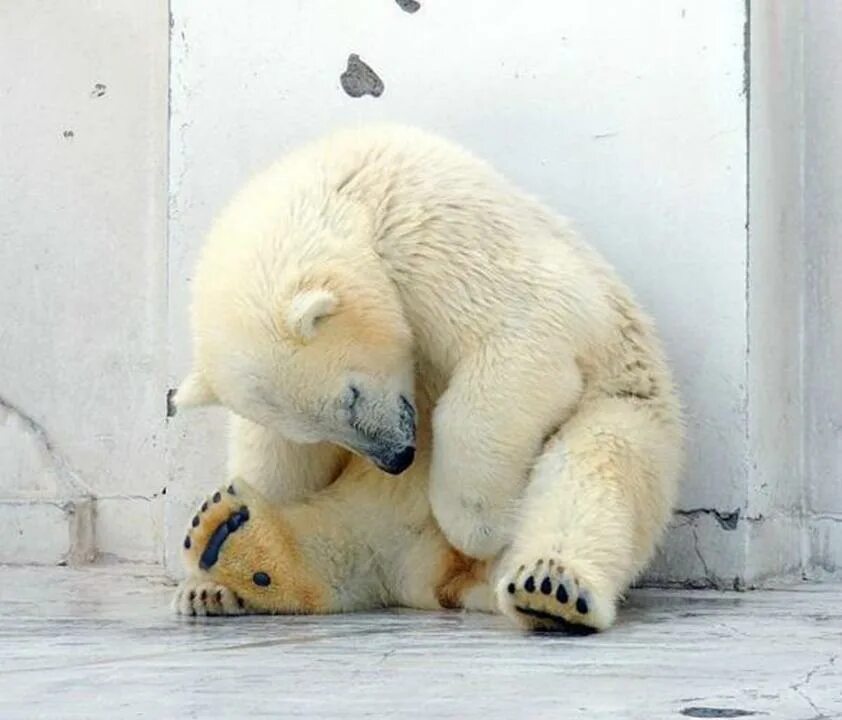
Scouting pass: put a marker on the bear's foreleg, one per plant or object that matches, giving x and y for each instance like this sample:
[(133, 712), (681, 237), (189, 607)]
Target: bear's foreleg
[(489, 426), (281, 470)]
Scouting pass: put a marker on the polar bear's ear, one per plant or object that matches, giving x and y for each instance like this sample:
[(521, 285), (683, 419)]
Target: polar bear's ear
[(307, 308), (194, 391)]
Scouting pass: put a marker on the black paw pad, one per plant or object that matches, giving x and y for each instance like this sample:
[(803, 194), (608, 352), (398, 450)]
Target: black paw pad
[(217, 496), (237, 519), (546, 586), (511, 588), (529, 585), (234, 522), (262, 579), (556, 623), (561, 594), (195, 521), (204, 506), (187, 542), (219, 596), (582, 605), (231, 490)]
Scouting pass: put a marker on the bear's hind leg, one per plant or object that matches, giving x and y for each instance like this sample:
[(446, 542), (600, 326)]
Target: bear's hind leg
[(367, 541), (597, 502), (242, 556)]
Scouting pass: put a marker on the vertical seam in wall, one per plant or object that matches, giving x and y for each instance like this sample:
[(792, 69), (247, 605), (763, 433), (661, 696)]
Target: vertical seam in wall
[(167, 270), (747, 371), (806, 520)]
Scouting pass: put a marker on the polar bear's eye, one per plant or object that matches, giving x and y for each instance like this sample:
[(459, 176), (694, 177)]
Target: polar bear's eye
[(351, 397)]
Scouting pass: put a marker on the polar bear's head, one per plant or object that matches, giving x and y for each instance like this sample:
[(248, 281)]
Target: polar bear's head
[(324, 354)]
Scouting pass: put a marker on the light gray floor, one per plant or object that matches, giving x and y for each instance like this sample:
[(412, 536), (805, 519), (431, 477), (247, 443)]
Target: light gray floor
[(101, 643)]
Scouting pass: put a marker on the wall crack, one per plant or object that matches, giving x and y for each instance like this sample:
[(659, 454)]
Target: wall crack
[(47, 446)]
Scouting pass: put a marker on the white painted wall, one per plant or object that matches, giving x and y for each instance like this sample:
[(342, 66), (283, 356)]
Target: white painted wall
[(823, 297), (83, 142), (773, 510)]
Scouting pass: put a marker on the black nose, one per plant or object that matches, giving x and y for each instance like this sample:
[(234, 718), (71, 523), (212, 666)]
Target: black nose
[(395, 464)]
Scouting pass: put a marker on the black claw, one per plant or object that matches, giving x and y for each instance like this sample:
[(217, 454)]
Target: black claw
[(231, 490), (546, 586), (561, 594), (582, 606), (192, 596), (240, 602), (204, 506), (219, 596), (511, 588), (187, 542), (195, 521), (204, 595), (262, 579), (217, 496), (529, 585)]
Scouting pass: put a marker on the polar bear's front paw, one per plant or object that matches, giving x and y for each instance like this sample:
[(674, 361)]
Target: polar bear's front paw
[(545, 594), (201, 597)]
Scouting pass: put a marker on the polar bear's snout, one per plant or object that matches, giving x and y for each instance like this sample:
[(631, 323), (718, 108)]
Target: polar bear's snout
[(384, 430)]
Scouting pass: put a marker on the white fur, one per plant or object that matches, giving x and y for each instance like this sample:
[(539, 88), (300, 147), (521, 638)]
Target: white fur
[(424, 257), (307, 308)]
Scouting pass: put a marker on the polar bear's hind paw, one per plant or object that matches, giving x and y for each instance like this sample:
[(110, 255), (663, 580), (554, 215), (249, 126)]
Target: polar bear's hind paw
[(545, 595)]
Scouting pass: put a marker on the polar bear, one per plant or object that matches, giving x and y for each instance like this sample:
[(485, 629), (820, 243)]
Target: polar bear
[(380, 283)]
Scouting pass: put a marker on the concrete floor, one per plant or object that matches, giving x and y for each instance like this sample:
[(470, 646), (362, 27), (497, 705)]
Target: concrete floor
[(101, 643)]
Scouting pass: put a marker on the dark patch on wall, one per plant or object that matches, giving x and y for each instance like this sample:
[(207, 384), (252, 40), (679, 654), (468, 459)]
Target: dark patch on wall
[(726, 520), (171, 409), (68, 134), (709, 712), (359, 79), (98, 91), (409, 6)]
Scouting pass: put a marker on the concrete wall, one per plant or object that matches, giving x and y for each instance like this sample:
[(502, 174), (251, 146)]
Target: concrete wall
[(83, 142), (719, 206), (773, 511), (823, 296)]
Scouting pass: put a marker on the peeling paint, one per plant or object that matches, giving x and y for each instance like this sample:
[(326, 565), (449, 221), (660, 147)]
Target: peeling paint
[(359, 79), (171, 408), (726, 520)]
